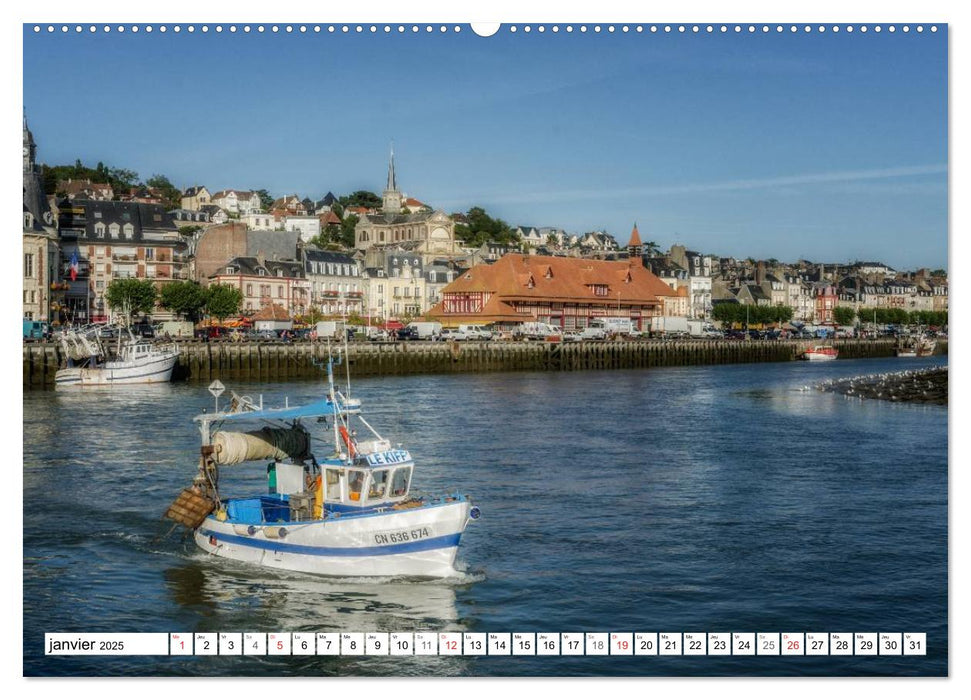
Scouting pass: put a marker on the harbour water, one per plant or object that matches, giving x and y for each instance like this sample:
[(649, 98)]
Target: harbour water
[(725, 498)]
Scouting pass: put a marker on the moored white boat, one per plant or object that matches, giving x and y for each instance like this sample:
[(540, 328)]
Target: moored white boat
[(134, 361), (820, 353), (915, 346), (349, 514)]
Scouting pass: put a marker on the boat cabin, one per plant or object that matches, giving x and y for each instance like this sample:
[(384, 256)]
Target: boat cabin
[(370, 481)]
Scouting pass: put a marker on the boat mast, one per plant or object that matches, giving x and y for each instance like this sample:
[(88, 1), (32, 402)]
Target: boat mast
[(333, 397), (346, 356)]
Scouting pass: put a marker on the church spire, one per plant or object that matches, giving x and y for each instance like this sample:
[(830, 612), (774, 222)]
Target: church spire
[(634, 247), (392, 182), (30, 148), (392, 197)]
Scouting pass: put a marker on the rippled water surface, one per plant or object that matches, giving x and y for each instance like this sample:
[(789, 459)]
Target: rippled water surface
[(692, 499)]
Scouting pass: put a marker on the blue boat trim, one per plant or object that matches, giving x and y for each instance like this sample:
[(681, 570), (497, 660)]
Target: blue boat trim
[(441, 542), (347, 512)]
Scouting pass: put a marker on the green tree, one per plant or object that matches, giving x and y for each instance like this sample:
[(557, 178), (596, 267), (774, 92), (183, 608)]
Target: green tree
[(189, 230), (171, 195), (122, 179), (482, 228), (844, 315), (223, 301), (131, 296), (118, 178), (266, 199), (321, 240), (726, 313), (652, 249), (184, 298), (361, 198), (345, 236)]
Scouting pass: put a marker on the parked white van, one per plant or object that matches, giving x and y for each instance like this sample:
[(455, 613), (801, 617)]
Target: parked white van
[(601, 328), (475, 332), (427, 330), (537, 330)]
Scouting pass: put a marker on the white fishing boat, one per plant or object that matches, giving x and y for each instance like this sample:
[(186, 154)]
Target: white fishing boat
[(919, 345), (90, 362), (351, 513), (820, 353)]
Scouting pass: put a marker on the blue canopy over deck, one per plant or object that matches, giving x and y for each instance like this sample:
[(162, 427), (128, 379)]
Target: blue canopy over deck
[(323, 407)]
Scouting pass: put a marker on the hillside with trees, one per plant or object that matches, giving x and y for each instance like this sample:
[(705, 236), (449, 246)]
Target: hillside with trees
[(481, 228)]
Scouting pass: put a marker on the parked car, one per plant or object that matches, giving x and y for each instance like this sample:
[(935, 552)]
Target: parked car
[(475, 332), (452, 334), (408, 333), (572, 337)]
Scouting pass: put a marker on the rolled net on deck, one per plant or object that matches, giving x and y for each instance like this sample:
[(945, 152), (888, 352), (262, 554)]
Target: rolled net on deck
[(266, 443)]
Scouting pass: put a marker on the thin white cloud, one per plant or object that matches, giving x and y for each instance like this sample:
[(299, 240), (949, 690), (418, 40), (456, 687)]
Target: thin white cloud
[(841, 176)]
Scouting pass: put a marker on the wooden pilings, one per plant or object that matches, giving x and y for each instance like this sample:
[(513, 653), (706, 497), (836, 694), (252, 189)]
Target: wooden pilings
[(279, 361)]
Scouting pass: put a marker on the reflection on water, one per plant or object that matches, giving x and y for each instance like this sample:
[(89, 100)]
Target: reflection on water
[(220, 589)]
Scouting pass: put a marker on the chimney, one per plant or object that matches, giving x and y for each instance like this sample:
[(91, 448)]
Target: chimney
[(760, 273)]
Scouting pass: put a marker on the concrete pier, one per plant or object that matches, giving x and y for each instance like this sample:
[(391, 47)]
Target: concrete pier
[(203, 361)]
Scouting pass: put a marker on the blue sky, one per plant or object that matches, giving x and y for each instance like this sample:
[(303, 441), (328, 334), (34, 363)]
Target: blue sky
[(831, 147)]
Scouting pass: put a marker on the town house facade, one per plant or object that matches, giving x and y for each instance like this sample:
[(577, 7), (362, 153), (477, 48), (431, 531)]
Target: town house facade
[(118, 240), (263, 283), (336, 284)]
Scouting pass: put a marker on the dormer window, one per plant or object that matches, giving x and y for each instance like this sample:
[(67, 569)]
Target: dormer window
[(279, 273), (549, 273), (129, 230), (99, 229), (262, 272), (114, 229), (230, 270)]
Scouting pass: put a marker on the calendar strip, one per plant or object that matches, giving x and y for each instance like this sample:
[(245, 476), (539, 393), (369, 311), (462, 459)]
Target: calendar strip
[(621, 644)]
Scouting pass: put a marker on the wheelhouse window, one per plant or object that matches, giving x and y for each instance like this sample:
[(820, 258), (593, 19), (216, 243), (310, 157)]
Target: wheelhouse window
[(355, 484), (332, 484), (379, 485), (400, 481)]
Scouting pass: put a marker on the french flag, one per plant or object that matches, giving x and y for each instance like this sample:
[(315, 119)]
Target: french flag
[(74, 265)]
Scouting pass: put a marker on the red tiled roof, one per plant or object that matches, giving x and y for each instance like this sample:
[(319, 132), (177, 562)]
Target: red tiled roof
[(635, 238), (562, 279), (272, 312)]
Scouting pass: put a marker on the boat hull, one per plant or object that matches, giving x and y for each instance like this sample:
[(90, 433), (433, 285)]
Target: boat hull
[(418, 542), (818, 357), (151, 372)]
